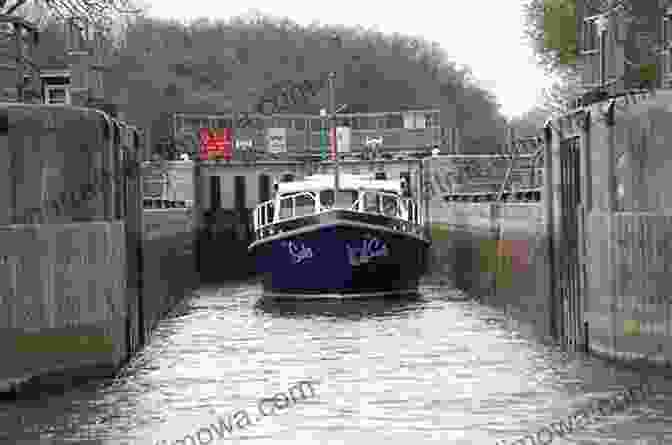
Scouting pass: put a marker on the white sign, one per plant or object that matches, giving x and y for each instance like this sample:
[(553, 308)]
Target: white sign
[(243, 144), (343, 139), (372, 142), (276, 140)]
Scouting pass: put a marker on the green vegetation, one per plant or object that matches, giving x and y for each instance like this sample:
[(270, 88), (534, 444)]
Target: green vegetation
[(37, 343), (551, 28), (439, 232), (161, 66), (560, 29)]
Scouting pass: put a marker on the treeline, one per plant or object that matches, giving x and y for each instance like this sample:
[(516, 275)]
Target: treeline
[(206, 66)]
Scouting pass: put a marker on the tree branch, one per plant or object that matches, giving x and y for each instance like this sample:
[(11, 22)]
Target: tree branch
[(14, 7)]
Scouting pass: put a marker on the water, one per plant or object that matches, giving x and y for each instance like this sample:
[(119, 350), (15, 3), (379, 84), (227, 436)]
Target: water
[(418, 369)]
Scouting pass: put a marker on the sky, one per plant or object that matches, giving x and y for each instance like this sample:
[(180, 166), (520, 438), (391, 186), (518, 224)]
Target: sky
[(485, 35)]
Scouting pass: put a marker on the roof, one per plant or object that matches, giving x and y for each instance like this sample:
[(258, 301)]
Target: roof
[(346, 181)]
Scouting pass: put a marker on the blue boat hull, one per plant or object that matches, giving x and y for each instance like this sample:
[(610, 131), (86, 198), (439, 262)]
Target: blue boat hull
[(340, 258)]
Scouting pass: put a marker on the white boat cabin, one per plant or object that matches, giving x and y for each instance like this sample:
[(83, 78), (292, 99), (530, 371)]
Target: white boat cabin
[(357, 193)]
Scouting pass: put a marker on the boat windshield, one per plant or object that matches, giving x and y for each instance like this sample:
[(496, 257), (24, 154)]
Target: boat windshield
[(304, 205), (374, 202), (344, 198)]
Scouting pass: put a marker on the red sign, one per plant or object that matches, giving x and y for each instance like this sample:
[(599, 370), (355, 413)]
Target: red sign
[(216, 143), (333, 143)]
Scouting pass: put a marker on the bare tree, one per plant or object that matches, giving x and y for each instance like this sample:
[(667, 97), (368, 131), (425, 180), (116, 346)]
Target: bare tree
[(99, 13)]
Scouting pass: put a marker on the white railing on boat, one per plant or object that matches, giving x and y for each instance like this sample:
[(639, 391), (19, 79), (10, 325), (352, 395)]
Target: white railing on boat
[(405, 211)]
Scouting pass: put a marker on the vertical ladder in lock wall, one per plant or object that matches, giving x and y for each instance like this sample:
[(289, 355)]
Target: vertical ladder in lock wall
[(568, 285)]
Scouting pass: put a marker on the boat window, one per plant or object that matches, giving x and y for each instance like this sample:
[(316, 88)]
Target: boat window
[(345, 198), (327, 198), (302, 204), (305, 205), (285, 208), (390, 205), (371, 202)]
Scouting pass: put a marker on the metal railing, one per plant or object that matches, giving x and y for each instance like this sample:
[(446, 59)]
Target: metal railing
[(406, 211), (159, 203), (264, 213), (414, 211), (529, 195)]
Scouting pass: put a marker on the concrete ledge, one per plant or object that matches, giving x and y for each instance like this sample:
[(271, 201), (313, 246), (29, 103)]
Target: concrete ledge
[(630, 358), (39, 356), (60, 377)]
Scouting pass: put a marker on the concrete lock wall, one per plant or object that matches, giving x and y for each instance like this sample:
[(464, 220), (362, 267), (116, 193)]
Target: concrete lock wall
[(169, 271), (169, 260), (71, 244), (170, 180), (62, 298), (497, 252), (626, 206), (55, 166)]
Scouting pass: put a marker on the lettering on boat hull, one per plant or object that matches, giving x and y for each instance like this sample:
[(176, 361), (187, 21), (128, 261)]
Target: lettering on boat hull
[(298, 251), (368, 248)]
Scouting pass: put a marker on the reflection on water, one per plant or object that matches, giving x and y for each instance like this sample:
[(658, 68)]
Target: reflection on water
[(353, 309), (424, 368)]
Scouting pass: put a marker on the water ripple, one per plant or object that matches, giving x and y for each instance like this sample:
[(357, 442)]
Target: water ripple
[(424, 368)]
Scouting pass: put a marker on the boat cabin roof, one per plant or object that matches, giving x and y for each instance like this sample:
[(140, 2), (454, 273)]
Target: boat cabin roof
[(346, 182)]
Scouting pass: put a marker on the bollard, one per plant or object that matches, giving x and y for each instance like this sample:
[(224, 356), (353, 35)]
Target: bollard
[(585, 337)]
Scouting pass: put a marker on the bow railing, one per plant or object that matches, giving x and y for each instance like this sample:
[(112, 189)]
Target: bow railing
[(406, 211)]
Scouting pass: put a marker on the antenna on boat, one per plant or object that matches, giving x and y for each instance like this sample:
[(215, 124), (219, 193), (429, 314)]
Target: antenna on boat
[(332, 128)]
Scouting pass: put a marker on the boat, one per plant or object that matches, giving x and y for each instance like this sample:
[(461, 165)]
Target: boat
[(362, 238)]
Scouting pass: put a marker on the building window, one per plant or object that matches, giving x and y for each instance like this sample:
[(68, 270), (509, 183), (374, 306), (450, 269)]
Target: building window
[(667, 43), (395, 121), (191, 124), (667, 29), (300, 124), (57, 95), (432, 120), (413, 121), (264, 188), (220, 123), (341, 121), (282, 122), (590, 35), (215, 192), (256, 123), (363, 123), (240, 197)]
